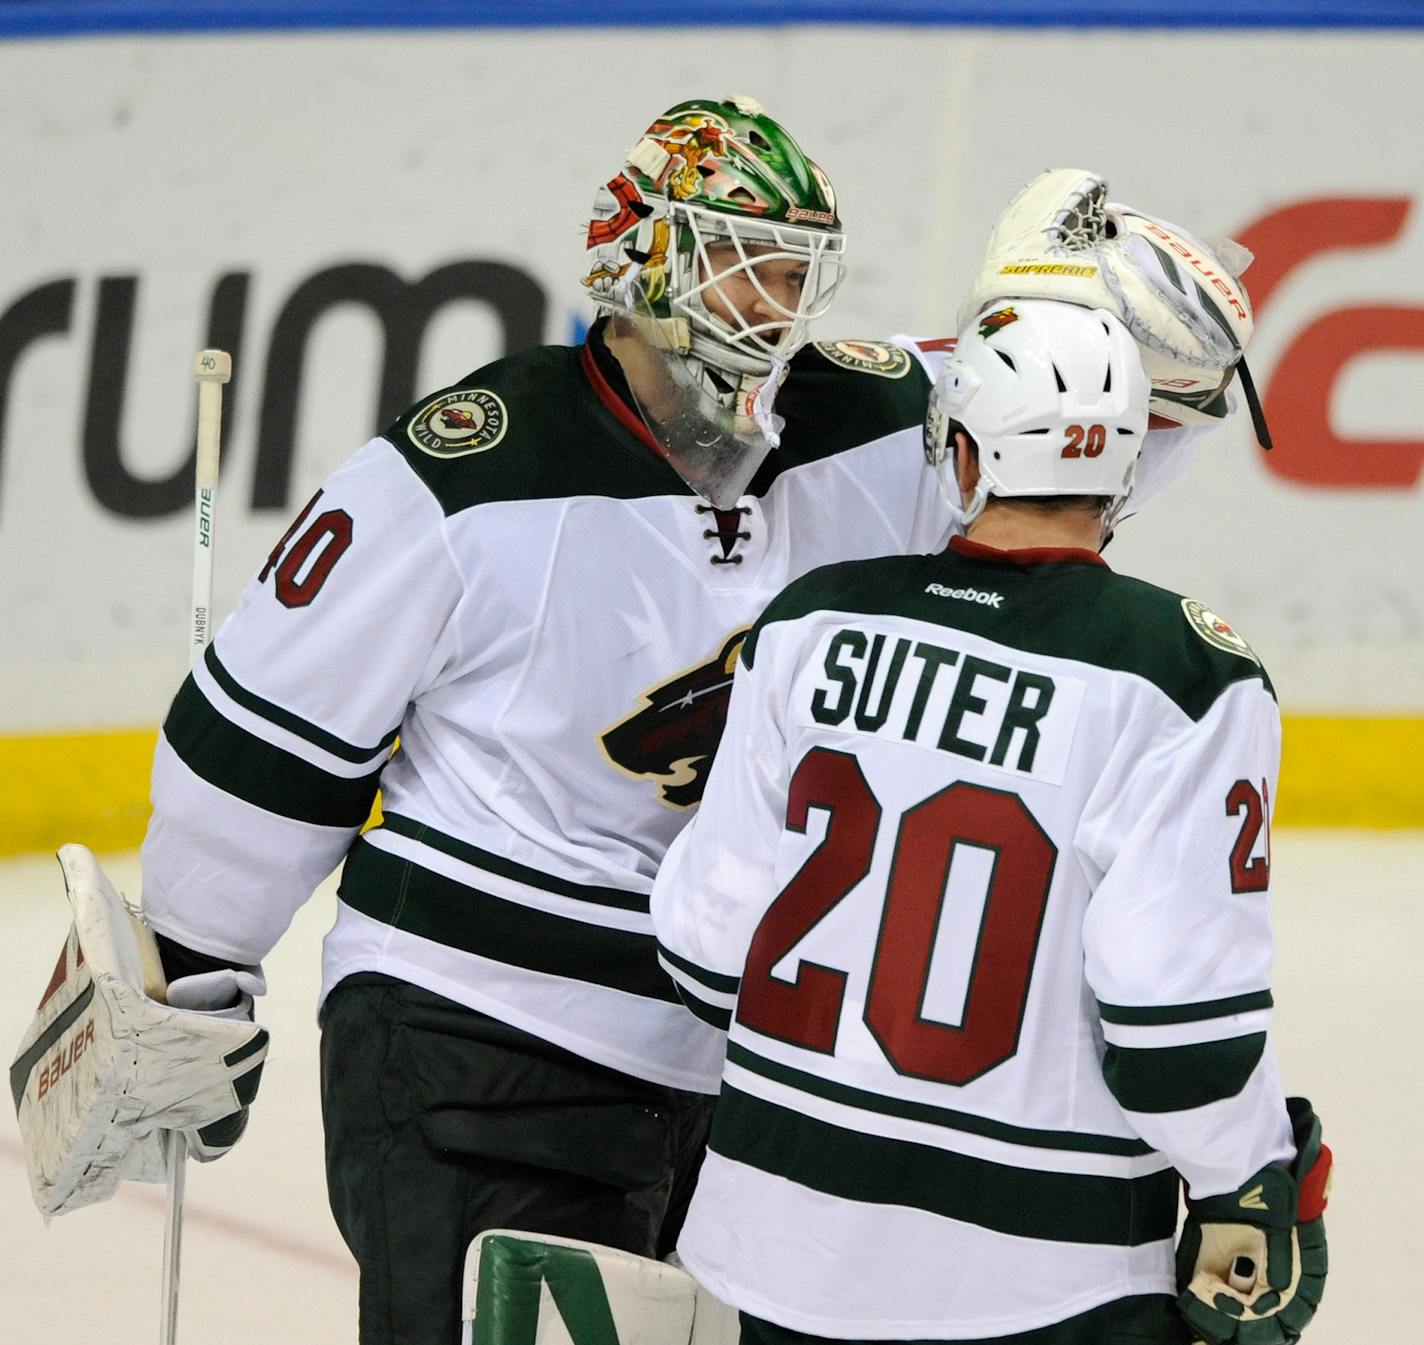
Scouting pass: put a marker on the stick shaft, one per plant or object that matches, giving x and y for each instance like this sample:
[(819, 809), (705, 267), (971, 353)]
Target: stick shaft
[(211, 369), (175, 1156)]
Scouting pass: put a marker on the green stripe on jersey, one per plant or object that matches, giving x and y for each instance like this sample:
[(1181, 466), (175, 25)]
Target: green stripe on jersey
[(710, 1014), (406, 896), (728, 985), (1022, 1202), (507, 868), (1160, 1015), (1179, 1078), (1073, 1141), (285, 719), (247, 767)]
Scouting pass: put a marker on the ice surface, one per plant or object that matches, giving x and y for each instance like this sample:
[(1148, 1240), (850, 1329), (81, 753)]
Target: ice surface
[(263, 1260)]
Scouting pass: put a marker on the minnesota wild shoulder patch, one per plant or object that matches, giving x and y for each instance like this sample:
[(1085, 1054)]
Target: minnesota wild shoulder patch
[(1215, 631), (456, 423), (867, 357)]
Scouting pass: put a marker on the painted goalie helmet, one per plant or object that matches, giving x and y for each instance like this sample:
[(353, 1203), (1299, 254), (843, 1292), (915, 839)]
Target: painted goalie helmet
[(711, 191)]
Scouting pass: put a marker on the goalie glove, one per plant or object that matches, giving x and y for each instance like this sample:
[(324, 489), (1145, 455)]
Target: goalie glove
[(108, 1063), (1251, 1265), (215, 989), (1182, 300)]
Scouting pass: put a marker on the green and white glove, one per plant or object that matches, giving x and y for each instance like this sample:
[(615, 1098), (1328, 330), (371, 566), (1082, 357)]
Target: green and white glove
[(1251, 1264)]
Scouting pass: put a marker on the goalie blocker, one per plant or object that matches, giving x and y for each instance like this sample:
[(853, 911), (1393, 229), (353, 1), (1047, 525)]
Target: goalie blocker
[(107, 1063)]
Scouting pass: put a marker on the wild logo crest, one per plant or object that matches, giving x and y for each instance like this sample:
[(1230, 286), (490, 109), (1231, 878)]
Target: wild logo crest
[(996, 321), (672, 736), (1215, 631), (457, 423), (867, 357)]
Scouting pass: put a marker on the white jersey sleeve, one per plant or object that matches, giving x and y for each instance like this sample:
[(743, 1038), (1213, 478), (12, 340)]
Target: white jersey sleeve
[(268, 760), (718, 878), (1177, 938)]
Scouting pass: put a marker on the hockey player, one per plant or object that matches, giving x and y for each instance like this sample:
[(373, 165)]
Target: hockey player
[(538, 580), (979, 885)]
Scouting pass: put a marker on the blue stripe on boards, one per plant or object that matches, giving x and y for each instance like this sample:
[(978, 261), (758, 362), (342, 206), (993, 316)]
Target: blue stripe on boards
[(51, 18)]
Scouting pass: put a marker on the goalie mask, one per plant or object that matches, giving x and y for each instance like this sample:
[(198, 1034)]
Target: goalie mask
[(715, 247), (1055, 397)]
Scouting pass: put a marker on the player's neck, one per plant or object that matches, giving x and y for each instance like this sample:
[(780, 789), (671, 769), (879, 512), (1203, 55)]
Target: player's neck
[(1007, 528), (647, 379)]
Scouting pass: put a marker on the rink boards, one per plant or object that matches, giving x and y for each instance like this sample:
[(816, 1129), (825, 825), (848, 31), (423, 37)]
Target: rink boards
[(362, 216)]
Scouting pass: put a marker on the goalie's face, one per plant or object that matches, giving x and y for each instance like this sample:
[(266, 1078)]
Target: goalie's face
[(755, 288)]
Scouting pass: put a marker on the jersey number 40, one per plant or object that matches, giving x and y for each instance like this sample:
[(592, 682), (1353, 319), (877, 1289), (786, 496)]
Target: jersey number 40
[(807, 1011)]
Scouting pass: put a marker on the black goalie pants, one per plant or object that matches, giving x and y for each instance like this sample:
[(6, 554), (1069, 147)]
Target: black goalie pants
[(442, 1122)]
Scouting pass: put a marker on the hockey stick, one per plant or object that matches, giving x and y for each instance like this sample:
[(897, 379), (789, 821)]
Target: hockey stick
[(211, 369)]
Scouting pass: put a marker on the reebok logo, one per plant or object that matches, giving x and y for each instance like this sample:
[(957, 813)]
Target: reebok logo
[(1252, 1200), (966, 595)]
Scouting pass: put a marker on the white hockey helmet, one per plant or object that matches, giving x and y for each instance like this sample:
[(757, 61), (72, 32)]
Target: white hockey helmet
[(1054, 396)]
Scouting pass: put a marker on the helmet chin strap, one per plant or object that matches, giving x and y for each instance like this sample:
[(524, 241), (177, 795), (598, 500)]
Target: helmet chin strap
[(769, 424), (1112, 511), (967, 512), (626, 285), (976, 504)]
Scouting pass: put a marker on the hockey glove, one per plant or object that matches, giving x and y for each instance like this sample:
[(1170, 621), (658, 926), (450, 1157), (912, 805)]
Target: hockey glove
[(108, 1063), (214, 989), (1251, 1265), (1182, 300)]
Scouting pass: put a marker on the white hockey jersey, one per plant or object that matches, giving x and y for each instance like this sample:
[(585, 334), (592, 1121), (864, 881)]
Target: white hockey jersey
[(979, 884), (513, 582)]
